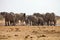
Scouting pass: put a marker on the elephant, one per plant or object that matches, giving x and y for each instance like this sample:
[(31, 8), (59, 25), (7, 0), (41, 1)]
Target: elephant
[(41, 18), (12, 19), (9, 18), (20, 17), (31, 20), (50, 19), (34, 21), (40, 21), (47, 18)]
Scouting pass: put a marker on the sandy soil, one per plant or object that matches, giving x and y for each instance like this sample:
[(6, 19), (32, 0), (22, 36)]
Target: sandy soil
[(29, 32)]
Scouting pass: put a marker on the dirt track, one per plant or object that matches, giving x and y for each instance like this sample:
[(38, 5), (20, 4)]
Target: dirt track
[(29, 32)]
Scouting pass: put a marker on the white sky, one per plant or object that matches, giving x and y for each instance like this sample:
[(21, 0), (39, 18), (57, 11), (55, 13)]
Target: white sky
[(30, 6)]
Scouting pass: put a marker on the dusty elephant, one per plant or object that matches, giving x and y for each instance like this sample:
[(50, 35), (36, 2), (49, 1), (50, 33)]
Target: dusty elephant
[(50, 19), (40, 18), (40, 21), (9, 18), (31, 20), (20, 17)]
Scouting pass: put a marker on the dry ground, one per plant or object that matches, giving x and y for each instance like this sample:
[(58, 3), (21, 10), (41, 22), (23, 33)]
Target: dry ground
[(29, 32)]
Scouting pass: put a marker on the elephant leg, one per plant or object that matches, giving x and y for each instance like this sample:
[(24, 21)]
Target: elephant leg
[(11, 22), (42, 24), (5, 23), (51, 22), (34, 23), (38, 23), (8, 23), (26, 23), (14, 23), (48, 23), (30, 23), (54, 22)]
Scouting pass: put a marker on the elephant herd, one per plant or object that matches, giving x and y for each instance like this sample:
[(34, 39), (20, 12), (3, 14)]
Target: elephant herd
[(32, 20)]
